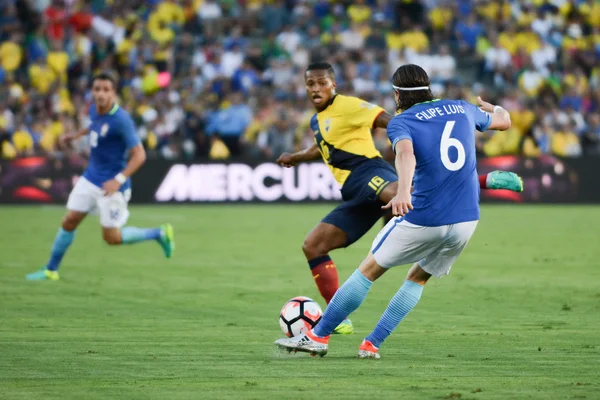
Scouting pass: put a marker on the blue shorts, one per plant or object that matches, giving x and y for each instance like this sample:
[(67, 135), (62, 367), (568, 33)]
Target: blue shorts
[(361, 207)]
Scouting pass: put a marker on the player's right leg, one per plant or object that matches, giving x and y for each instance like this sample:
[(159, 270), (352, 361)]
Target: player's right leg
[(81, 201), (346, 300), (114, 215), (496, 180), (398, 308)]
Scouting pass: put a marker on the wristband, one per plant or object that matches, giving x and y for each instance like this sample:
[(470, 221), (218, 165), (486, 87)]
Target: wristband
[(496, 108), (120, 178)]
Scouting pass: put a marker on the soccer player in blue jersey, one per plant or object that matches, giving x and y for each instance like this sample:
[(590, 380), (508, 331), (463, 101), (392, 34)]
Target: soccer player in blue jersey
[(434, 143), (105, 187)]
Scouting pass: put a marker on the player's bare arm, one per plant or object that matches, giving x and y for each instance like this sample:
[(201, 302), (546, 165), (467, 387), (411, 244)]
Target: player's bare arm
[(500, 117), (67, 138), (382, 120), (405, 161), (288, 160), (136, 160)]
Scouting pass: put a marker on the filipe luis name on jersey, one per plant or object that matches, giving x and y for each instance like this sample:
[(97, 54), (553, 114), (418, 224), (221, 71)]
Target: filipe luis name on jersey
[(446, 109)]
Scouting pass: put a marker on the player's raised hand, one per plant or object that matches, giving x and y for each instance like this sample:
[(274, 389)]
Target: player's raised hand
[(400, 205), (111, 187), (66, 139), (286, 160), (484, 105)]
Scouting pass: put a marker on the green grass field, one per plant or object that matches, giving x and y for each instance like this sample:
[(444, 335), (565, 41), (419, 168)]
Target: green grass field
[(518, 318)]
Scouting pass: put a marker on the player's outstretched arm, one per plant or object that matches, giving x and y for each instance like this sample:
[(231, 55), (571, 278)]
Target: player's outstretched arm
[(69, 137), (137, 158), (288, 160), (500, 117), (401, 204), (382, 120)]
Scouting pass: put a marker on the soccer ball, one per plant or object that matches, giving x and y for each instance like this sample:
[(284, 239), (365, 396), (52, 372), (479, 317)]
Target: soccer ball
[(299, 315)]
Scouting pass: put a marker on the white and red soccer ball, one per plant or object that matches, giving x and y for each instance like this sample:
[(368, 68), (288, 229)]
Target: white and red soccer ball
[(299, 315)]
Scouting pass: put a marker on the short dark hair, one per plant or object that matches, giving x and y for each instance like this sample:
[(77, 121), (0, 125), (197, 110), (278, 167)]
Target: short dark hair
[(105, 76), (407, 76), (321, 65)]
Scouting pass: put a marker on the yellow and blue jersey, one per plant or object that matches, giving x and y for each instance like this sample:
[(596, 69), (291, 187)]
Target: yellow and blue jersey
[(111, 136), (343, 133)]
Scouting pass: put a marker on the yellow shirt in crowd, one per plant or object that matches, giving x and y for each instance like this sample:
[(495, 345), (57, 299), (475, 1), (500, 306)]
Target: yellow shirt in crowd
[(41, 77), (415, 40), (359, 13), (158, 23), (440, 17), (10, 56), (59, 62)]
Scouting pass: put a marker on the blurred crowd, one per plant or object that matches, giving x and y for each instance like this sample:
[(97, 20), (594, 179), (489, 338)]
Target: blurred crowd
[(223, 78)]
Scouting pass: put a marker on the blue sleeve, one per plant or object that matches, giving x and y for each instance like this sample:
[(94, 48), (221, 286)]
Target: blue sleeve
[(92, 111), (482, 119), (397, 130), (213, 124), (247, 116), (129, 132)]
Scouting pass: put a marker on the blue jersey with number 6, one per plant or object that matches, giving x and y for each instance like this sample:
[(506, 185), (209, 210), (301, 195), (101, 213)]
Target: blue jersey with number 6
[(446, 187), (112, 136)]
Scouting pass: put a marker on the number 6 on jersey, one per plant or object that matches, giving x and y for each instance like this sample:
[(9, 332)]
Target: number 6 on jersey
[(446, 143)]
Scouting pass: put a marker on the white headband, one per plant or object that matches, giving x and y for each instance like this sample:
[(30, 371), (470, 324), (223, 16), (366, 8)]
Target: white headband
[(409, 89)]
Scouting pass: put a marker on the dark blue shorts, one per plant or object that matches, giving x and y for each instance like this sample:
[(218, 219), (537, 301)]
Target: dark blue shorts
[(361, 207)]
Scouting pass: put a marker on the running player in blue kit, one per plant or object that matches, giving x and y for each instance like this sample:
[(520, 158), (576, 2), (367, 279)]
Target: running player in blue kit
[(434, 143), (105, 187)]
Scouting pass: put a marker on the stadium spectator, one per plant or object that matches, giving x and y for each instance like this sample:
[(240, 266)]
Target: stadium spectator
[(230, 123), (468, 33), (592, 136), (279, 137)]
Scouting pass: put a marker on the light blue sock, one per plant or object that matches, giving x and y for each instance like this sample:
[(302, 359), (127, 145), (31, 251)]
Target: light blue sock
[(62, 241), (131, 234), (403, 301), (347, 299)]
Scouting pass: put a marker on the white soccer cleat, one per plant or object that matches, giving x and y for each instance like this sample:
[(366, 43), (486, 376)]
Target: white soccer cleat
[(367, 350), (307, 343)]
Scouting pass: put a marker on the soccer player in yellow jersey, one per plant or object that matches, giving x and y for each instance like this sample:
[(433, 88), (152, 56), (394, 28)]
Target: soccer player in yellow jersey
[(342, 128)]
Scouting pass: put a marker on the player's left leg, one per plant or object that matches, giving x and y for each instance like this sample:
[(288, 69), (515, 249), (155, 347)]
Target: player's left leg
[(495, 180), (501, 180), (113, 216), (401, 304)]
